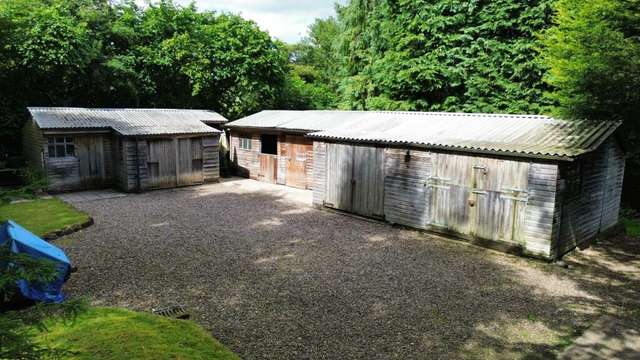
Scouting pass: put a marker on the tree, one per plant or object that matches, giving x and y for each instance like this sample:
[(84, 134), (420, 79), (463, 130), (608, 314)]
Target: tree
[(593, 56), (442, 55), (16, 328), (312, 81), (98, 53)]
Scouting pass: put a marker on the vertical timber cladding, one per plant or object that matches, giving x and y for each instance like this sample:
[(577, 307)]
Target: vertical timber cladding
[(473, 196), (297, 153), (174, 162), (407, 194), (91, 161), (355, 179), (480, 196)]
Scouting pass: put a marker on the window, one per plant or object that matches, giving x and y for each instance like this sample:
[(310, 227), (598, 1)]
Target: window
[(61, 146), (269, 144), (245, 143)]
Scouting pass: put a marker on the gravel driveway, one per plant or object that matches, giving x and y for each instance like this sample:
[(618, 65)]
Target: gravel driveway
[(272, 277)]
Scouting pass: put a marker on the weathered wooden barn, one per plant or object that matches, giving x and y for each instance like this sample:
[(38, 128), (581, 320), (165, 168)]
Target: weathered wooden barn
[(528, 184), (271, 146), (131, 149)]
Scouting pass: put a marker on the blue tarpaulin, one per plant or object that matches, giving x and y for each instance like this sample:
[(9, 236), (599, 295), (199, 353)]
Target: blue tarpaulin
[(21, 241)]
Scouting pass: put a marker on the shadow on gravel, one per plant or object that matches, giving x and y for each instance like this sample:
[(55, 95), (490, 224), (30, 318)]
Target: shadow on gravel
[(274, 279)]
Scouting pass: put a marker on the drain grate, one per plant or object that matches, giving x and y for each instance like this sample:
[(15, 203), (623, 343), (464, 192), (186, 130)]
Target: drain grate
[(174, 311)]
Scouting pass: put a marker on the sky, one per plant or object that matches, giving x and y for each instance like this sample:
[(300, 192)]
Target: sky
[(287, 20)]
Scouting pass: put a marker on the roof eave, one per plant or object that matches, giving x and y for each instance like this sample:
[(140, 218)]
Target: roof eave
[(550, 157), (270, 128)]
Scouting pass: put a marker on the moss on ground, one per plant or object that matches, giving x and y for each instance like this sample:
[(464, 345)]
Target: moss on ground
[(109, 333)]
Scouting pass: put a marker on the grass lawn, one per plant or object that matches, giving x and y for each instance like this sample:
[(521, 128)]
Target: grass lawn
[(42, 216), (631, 227), (108, 333)]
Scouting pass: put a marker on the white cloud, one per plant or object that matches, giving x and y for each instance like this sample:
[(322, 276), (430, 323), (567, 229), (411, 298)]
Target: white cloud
[(287, 20)]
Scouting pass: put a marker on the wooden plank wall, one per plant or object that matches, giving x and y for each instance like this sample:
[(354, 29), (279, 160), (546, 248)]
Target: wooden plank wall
[(210, 158), (339, 176), (513, 199), (595, 208), (108, 160), (406, 190), (32, 143), (246, 162), (542, 211), (309, 166), (613, 184), (64, 173), (283, 154), (132, 161), (319, 172), (368, 181)]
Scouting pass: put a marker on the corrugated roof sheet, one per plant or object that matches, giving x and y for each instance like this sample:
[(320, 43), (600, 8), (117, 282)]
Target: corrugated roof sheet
[(517, 135), (128, 121), (299, 120)]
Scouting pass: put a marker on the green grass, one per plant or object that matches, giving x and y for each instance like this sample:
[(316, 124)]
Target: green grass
[(108, 333), (42, 216), (631, 227)]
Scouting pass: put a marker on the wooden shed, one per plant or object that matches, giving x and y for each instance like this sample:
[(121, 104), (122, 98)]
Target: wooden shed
[(271, 146), (526, 184), (131, 149)]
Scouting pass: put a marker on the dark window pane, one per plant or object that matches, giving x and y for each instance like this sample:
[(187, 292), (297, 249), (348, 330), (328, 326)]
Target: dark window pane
[(69, 139), (59, 139), (52, 151), (71, 150), (59, 150), (269, 144), (50, 140)]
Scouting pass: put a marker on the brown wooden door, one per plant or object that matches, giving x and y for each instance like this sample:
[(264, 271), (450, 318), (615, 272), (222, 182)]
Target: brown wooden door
[(90, 152), (161, 163), (298, 161), (268, 168)]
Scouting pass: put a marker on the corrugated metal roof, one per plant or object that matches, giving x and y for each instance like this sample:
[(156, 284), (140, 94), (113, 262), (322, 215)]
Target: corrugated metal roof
[(299, 120), (127, 121), (516, 135)]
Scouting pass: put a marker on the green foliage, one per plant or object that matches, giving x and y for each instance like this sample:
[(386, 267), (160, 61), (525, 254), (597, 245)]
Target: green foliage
[(19, 330), (442, 55), (104, 333), (312, 81), (35, 181), (42, 216), (98, 53), (593, 57)]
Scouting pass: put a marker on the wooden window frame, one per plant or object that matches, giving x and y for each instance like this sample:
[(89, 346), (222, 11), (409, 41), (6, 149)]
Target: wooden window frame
[(244, 143), (61, 146)]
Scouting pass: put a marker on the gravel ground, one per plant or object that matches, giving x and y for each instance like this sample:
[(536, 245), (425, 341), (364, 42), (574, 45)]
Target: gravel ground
[(273, 278)]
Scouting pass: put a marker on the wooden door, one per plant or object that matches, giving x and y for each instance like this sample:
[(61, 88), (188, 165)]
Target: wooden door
[(297, 154), (368, 181), (161, 163), (90, 152), (498, 189), (190, 161), (197, 164), (339, 182), (268, 168)]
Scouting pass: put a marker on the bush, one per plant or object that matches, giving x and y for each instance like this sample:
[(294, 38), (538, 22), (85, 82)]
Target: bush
[(34, 180)]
